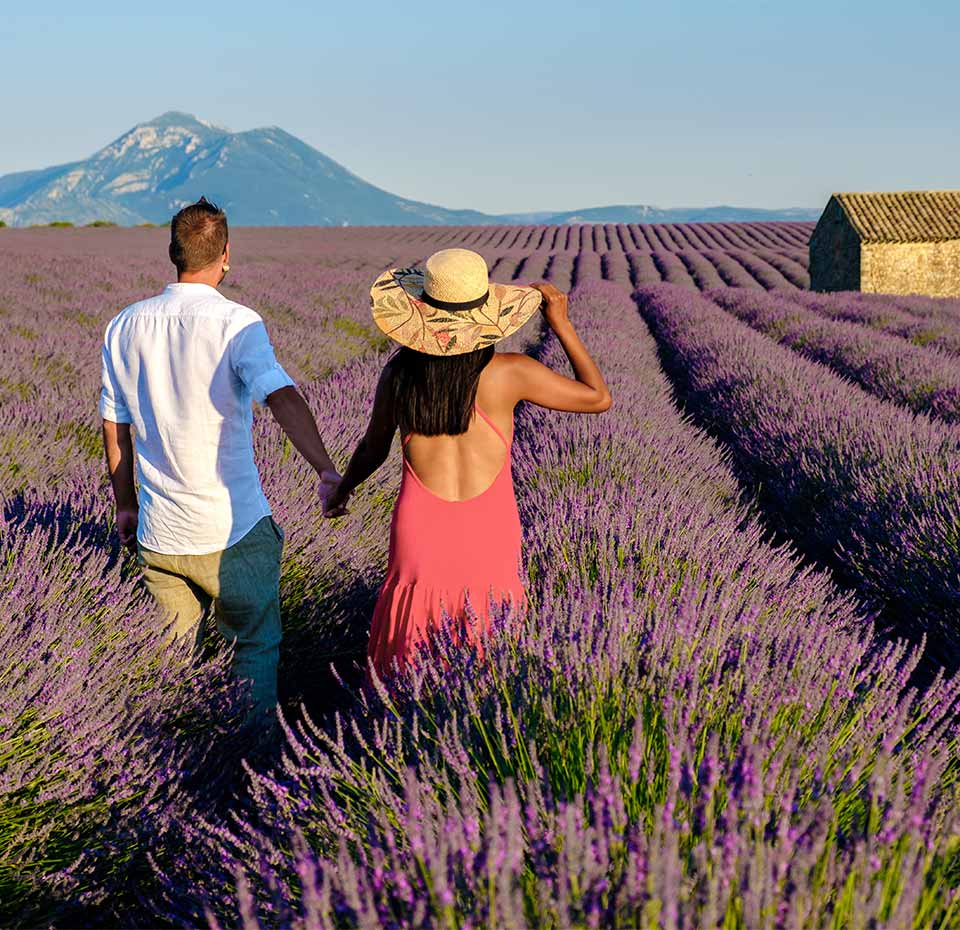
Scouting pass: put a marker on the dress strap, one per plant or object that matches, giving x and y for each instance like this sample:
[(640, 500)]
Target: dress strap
[(491, 424)]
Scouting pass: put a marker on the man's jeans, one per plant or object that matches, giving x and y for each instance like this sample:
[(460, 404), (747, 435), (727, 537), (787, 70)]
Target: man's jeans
[(242, 583)]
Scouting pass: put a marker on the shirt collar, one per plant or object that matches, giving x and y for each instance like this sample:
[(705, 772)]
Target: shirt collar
[(181, 286)]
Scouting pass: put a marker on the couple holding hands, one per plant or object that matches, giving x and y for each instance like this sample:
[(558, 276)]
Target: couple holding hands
[(179, 373)]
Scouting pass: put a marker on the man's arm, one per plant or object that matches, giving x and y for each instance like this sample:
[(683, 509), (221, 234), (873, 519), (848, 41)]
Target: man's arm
[(253, 360), (118, 445), (292, 413)]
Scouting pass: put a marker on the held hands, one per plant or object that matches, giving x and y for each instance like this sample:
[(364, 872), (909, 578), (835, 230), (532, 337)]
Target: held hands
[(554, 307), (127, 520), (334, 503)]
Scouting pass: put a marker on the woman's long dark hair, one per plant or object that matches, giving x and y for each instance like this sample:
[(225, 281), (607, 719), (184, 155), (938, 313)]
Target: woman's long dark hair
[(433, 395)]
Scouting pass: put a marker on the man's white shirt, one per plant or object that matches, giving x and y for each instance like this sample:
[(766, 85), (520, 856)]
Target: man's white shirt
[(184, 367)]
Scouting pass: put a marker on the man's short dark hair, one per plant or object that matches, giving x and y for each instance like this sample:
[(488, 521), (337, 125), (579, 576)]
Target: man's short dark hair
[(198, 236)]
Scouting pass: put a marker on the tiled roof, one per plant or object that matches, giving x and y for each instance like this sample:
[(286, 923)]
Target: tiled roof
[(904, 216)]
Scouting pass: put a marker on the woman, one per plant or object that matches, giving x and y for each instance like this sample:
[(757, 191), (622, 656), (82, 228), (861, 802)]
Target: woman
[(455, 534)]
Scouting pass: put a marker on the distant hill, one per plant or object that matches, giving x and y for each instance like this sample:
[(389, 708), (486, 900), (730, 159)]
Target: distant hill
[(646, 214), (263, 177)]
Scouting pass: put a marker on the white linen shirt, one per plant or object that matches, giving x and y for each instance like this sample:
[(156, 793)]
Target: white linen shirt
[(183, 368)]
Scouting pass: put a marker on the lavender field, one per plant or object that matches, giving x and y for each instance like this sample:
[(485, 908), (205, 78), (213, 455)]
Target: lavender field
[(733, 702)]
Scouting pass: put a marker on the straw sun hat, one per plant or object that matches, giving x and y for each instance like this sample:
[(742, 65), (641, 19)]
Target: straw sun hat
[(450, 306)]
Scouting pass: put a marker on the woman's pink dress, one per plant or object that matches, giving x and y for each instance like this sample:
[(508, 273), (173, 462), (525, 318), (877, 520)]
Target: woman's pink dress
[(442, 552)]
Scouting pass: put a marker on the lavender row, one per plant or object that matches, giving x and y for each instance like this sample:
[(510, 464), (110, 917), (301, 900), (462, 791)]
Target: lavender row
[(939, 328), (942, 309), (792, 265), (687, 728), (858, 483), (921, 379)]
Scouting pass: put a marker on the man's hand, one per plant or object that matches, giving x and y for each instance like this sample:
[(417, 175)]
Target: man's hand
[(127, 520), (118, 445), (334, 504)]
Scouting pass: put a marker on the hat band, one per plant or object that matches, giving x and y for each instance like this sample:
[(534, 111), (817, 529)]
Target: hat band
[(455, 304)]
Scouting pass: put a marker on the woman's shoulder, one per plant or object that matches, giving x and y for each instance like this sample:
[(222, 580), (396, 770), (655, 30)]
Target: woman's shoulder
[(502, 366), (509, 361), (513, 364), (508, 374)]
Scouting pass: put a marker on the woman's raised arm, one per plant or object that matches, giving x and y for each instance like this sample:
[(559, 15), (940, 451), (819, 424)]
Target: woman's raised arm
[(586, 392)]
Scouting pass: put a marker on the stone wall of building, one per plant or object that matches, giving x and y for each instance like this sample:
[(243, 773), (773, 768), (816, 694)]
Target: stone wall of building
[(834, 252), (909, 268)]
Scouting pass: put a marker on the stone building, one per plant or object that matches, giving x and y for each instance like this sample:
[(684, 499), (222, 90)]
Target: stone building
[(894, 243)]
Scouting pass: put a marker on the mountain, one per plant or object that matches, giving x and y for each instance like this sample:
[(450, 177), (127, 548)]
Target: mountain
[(263, 177)]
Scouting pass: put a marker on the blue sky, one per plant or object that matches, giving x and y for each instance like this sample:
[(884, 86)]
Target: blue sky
[(518, 106)]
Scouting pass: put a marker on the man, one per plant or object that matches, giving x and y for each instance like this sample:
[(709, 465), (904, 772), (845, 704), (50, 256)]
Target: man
[(182, 369)]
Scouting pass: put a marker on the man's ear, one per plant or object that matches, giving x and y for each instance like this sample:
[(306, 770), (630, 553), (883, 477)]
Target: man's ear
[(226, 254), (170, 253)]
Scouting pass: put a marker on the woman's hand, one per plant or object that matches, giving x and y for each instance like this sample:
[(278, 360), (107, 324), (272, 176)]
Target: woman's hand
[(335, 507), (334, 502), (555, 304)]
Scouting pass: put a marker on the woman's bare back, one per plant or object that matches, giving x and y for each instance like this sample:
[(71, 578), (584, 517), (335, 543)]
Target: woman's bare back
[(458, 468)]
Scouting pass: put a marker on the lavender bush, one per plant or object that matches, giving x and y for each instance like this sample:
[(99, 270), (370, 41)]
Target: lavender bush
[(587, 267), (732, 272), (616, 268), (701, 270), (672, 269), (764, 272), (924, 380), (642, 269), (788, 265), (504, 268), (560, 271), (534, 267), (860, 484)]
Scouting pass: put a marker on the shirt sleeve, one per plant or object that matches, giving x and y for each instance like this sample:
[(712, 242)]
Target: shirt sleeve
[(112, 405), (252, 357)]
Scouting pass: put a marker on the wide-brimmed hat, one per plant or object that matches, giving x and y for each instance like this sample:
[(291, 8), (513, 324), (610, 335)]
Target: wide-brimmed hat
[(450, 306)]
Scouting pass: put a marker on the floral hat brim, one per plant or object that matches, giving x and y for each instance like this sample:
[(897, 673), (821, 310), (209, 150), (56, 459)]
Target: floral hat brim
[(401, 314)]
